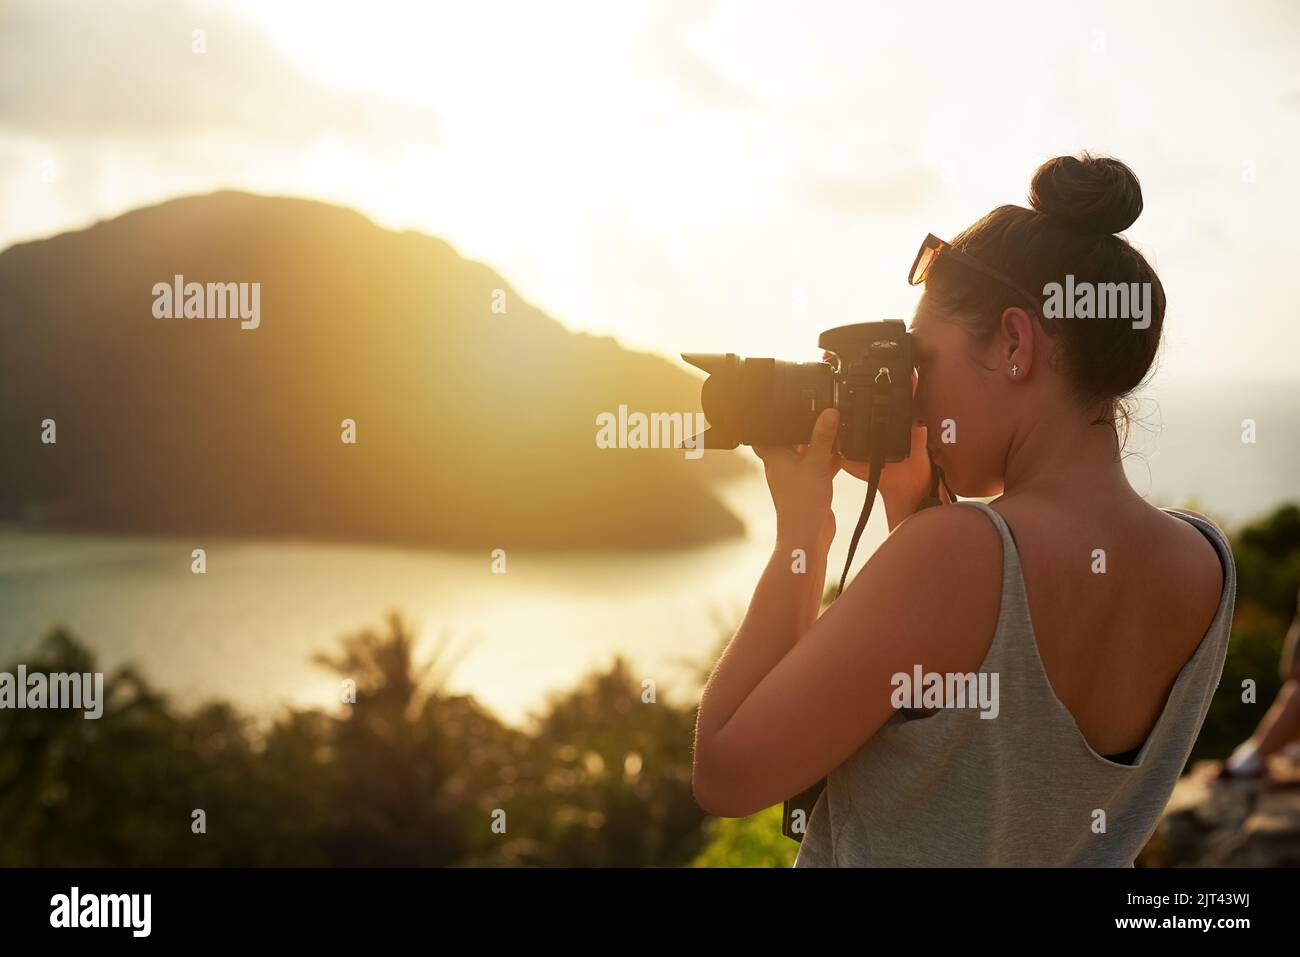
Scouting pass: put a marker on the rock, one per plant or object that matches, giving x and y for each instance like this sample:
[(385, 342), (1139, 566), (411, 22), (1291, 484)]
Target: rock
[(1231, 823)]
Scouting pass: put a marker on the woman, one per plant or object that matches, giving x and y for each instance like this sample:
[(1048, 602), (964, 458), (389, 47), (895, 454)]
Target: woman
[(1098, 622)]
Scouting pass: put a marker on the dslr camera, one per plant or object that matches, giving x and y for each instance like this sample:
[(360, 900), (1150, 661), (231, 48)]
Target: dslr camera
[(866, 375)]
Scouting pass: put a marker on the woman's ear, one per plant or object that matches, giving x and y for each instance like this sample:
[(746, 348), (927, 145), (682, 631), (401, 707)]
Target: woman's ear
[(1017, 343)]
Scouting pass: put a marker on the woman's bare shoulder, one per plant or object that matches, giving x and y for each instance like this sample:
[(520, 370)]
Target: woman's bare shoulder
[(959, 549), (937, 578), (1195, 559)]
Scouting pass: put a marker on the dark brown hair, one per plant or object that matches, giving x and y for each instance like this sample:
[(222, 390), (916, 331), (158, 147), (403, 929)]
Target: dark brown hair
[(1079, 203)]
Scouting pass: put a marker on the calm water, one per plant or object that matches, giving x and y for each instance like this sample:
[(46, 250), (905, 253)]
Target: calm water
[(247, 629)]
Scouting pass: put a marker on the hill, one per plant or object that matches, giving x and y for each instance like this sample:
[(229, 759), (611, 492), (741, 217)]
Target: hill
[(473, 428)]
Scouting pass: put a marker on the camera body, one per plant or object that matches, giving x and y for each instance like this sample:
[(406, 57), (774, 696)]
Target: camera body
[(867, 376)]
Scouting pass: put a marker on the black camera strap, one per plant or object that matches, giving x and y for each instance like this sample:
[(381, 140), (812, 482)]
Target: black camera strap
[(873, 484), (879, 406)]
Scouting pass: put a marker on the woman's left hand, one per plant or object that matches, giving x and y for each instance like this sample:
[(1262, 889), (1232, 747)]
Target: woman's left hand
[(800, 480)]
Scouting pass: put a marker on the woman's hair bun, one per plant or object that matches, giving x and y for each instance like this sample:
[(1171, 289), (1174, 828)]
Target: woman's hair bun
[(1094, 194)]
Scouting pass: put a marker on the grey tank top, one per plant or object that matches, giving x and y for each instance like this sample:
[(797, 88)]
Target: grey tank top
[(1023, 789)]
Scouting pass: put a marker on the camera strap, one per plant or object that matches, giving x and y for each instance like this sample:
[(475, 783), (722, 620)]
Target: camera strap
[(877, 428), (873, 484)]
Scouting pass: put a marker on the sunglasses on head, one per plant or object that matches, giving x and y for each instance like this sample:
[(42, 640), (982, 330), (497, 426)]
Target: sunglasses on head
[(934, 247)]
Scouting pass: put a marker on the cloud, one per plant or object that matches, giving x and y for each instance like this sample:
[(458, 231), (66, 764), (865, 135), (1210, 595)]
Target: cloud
[(128, 70), (665, 46), (890, 191)]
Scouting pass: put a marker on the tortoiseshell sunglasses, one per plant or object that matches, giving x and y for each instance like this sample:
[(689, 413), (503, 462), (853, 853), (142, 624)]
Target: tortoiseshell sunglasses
[(934, 247)]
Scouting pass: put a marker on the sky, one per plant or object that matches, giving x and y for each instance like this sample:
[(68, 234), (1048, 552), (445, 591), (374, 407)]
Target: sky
[(729, 177)]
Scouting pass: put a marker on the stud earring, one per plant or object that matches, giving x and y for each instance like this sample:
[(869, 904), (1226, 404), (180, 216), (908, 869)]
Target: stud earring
[(1015, 370)]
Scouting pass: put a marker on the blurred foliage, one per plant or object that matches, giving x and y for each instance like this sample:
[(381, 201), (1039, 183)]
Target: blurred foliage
[(754, 841), (404, 776), (1268, 563)]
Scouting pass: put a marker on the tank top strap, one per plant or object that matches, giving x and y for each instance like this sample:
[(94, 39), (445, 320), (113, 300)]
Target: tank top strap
[(1015, 632)]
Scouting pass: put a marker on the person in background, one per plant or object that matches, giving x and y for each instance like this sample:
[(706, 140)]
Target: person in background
[(1280, 726)]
